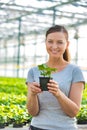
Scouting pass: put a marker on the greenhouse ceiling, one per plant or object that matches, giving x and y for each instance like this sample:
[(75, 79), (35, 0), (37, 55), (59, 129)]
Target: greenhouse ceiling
[(26, 17)]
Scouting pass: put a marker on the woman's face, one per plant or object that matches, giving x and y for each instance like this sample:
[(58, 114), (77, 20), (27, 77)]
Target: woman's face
[(56, 44)]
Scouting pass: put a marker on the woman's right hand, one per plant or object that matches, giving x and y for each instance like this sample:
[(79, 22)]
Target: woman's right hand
[(34, 88)]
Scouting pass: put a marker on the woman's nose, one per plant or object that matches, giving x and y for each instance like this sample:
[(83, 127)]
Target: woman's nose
[(55, 46)]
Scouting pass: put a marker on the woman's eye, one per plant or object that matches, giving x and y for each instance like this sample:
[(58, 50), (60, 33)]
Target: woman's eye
[(50, 42), (60, 42)]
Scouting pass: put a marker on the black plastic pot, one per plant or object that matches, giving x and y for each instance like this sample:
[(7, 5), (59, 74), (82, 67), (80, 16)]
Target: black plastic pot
[(82, 122), (43, 83), (2, 125), (17, 125)]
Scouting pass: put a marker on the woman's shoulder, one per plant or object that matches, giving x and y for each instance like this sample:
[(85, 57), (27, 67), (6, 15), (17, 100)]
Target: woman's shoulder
[(73, 66)]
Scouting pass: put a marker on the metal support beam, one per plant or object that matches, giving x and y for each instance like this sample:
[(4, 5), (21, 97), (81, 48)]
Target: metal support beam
[(54, 16), (76, 37), (19, 40)]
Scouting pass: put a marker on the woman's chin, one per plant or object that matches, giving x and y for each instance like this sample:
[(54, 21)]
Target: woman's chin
[(55, 56)]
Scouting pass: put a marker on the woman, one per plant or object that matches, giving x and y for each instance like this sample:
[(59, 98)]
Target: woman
[(56, 108)]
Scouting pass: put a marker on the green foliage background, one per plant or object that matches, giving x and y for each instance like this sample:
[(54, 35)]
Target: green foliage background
[(13, 101), (13, 93)]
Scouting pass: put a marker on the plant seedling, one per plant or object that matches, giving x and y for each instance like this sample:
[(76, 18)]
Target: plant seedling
[(45, 72)]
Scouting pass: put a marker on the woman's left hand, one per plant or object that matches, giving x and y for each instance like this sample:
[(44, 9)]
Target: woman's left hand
[(53, 88)]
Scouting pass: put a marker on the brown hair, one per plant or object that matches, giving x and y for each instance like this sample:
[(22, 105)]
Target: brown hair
[(59, 28)]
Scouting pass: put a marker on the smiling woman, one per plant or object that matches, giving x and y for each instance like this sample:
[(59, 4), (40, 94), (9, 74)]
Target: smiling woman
[(61, 102), (57, 43)]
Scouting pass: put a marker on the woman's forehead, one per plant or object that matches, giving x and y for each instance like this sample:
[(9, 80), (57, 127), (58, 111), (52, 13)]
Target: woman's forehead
[(57, 35)]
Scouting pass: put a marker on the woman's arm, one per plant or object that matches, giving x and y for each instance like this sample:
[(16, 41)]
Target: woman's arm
[(70, 105), (32, 98)]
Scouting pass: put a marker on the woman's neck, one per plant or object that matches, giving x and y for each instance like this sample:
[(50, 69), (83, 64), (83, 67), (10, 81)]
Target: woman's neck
[(56, 63)]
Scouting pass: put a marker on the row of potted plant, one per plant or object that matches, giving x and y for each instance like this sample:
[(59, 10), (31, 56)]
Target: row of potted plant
[(13, 101), (13, 85), (7, 99), (82, 115), (13, 114)]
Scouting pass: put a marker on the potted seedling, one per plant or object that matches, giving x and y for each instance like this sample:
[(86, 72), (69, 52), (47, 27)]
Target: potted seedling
[(18, 120), (82, 115), (45, 73), (2, 120)]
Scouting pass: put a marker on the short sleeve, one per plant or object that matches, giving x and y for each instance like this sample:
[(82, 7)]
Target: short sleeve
[(77, 75), (30, 76)]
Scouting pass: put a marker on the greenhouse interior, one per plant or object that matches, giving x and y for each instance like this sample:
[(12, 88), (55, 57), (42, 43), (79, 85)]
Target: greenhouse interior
[(23, 25), (22, 32)]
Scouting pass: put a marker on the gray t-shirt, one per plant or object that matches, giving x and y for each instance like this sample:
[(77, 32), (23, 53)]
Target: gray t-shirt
[(51, 116)]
